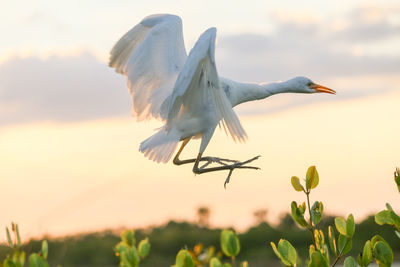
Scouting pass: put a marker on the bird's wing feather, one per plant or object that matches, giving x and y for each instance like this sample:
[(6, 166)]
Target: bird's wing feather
[(198, 84), (151, 56)]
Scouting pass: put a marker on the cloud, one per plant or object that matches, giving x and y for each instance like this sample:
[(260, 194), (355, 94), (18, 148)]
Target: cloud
[(60, 88), (77, 88), (316, 48), (370, 24), (292, 52)]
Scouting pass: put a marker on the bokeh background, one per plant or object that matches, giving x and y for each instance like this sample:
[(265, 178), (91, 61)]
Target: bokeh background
[(69, 159)]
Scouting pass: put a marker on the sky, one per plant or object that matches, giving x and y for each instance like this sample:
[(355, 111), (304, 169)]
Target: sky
[(69, 147)]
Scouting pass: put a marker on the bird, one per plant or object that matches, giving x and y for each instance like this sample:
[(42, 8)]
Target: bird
[(186, 93)]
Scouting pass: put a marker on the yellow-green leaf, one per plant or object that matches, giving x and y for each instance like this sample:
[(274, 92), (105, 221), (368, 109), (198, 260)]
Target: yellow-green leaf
[(298, 215), (288, 252), (144, 248), (9, 237), (365, 258), (128, 236), (317, 260), (229, 243), (215, 262), (296, 184), (184, 259), (397, 178), (350, 226), (36, 261), (332, 240), (45, 249), (340, 224), (312, 178)]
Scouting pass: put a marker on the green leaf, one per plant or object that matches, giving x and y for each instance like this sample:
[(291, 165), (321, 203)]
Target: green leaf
[(215, 262), (344, 244), (144, 248), (317, 260), (312, 178), (8, 263), (389, 207), (349, 262), (277, 253), (350, 226), (286, 252), (230, 243), (128, 237), (383, 217), (316, 212), (298, 215), (365, 258), (226, 265), (397, 178), (9, 237), (184, 259), (332, 240), (210, 252), (36, 261), (296, 184), (341, 226), (388, 217), (383, 254), (18, 237), (120, 247), (21, 259), (45, 249), (377, 238), (302, 208), (129, 257)]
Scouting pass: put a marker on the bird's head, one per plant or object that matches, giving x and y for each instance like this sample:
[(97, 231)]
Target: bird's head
[(305, 85)]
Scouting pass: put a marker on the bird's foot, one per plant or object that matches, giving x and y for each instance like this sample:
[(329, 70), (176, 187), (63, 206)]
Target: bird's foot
[(240, 165), (221, 161)]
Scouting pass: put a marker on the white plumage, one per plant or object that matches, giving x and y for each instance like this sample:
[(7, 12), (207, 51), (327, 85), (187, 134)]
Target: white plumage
[(186, 91)]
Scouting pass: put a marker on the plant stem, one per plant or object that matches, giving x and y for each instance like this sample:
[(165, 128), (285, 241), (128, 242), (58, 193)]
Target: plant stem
[(233, 260), (341, 252), (311, 228)]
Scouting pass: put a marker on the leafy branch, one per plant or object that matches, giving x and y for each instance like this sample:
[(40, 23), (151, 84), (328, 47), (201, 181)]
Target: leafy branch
[(376, 248)]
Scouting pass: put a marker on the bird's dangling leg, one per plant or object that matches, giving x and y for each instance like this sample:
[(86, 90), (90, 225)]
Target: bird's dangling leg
[(209, 160), (231, 167)]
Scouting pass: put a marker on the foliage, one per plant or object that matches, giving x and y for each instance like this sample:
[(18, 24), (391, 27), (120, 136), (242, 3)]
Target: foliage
[(331, 237), (19, 256), (388, 216), (130, 255), (199, 256), (376, 248)]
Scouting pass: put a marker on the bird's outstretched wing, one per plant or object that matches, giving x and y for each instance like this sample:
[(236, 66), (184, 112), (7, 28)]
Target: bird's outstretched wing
[(198, 85), (151, 55)]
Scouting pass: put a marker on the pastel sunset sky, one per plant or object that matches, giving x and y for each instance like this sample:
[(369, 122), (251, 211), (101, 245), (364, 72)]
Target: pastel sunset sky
[(69, 159)]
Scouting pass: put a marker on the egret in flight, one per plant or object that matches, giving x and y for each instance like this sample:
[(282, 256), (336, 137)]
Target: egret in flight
[(185, 91)]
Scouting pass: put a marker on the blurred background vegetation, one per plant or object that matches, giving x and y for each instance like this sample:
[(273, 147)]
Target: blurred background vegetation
[(96, 249)]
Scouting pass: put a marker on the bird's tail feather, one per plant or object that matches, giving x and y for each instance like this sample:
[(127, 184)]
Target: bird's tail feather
[(161, 146)]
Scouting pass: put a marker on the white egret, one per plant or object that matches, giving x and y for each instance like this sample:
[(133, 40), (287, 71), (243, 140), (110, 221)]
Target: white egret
[(186, 91)]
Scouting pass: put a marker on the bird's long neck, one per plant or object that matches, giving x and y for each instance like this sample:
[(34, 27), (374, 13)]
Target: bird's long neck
[(242, 92)]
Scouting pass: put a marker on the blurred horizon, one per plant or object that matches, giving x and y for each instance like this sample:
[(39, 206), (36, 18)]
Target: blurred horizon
[(70, 160)]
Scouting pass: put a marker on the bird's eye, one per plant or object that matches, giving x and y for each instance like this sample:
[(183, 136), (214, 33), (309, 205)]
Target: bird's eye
[(309, 83)]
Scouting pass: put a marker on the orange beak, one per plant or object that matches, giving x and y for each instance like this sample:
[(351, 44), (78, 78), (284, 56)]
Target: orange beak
[(322, 89)]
